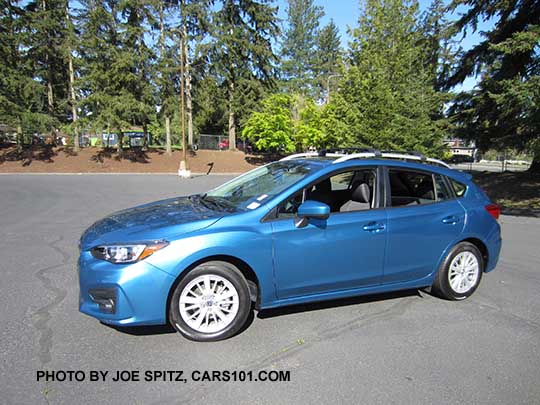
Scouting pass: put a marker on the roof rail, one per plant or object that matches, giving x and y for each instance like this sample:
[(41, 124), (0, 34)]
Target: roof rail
[(386, 155), (347, 151), (345, 154), (310, 154)]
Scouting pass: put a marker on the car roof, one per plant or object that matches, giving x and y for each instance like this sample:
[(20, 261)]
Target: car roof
[(319, 163)]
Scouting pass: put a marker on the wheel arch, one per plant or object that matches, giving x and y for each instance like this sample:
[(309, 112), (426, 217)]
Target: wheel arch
[(481, 246), (246, 270)]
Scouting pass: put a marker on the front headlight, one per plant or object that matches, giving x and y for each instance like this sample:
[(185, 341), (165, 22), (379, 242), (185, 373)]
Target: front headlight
[(127, 253)]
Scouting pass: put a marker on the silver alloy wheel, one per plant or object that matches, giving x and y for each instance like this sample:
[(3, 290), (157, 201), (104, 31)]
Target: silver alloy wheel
[(209, 303), (463, 272)]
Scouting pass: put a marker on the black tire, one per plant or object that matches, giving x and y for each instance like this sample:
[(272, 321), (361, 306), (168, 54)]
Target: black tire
[(232, 275), (442, 286)]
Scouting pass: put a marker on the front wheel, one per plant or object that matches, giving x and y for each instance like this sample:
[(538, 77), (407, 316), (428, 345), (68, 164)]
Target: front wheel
[(211, 302), (460, 273)]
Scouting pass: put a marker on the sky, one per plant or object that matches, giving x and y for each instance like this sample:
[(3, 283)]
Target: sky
[(345, 14)]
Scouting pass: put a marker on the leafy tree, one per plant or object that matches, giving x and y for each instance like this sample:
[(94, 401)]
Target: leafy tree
[(503, 110), (241, 55), (299, 46), (272, 129), (386, 99), (328, 61), (290, 123)]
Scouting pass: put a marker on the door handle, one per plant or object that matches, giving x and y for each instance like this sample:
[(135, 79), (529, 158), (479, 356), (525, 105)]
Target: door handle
[(373, 227), (451, 220)]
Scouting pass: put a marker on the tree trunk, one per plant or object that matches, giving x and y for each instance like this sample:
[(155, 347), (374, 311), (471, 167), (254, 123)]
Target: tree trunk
[(20, 139), (168, 148), (188, 89), (119, 146), (72, 90), (535, 165), (50, 93), (232, 124), (145, 132)]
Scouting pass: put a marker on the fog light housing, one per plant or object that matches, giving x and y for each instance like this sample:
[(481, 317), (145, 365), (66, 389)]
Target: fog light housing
[(105, 298)]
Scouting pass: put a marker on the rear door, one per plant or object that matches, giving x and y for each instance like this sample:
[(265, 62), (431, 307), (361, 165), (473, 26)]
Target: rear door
[(423, 218)]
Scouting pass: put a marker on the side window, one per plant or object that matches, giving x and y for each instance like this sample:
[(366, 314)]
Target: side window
[(441, 189), (341, 181), (459, 188), (411, 188), (343, 192)]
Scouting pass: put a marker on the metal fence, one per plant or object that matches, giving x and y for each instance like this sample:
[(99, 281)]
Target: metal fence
[(214, 142)]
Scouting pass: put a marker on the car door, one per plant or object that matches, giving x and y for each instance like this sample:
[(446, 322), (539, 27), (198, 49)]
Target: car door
[(423, 220), (343, 252)]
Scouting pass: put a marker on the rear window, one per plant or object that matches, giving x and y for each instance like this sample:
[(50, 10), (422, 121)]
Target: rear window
[(459, 188)]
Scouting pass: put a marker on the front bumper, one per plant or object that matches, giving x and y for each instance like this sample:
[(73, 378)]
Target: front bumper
[(133, 294)]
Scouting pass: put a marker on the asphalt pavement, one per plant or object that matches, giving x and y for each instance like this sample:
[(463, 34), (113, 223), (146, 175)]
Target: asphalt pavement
[(406, 347)]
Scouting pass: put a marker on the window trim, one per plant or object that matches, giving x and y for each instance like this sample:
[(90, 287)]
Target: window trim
[(271, 215)]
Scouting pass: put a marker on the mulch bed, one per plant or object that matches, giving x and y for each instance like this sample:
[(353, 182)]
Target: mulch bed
[(49, 159)]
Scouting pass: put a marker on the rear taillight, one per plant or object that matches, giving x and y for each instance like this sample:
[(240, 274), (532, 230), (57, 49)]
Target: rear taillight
[(494, 210)]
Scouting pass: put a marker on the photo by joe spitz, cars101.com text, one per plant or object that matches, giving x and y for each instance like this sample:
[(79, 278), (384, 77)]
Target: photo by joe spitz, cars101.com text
[(309, 227)]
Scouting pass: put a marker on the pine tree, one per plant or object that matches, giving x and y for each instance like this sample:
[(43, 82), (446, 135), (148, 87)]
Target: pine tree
[(299, 47), (241, 55), (23, 104), (328, 61), (118, 70), (45, 42), (504, 108), (386, 98)]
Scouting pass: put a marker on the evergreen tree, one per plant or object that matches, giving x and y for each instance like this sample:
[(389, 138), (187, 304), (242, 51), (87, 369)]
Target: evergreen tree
[(118, 70), (504, 108), (440, 52), (386, 99), (241, 55), (328, 61), (45, 26), (299, 46), (22, 98)]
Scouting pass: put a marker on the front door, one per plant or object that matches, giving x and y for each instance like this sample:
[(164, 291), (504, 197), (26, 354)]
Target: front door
[(343, 252)]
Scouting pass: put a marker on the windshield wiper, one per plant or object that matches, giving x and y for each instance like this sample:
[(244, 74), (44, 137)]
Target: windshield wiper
[(220, 202)]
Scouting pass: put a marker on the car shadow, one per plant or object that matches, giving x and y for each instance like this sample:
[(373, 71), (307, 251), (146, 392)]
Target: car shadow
[(336, 303), (143, 330), (275, 312)]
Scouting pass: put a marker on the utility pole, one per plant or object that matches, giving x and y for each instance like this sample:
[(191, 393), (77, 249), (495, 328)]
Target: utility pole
[(183, 171)]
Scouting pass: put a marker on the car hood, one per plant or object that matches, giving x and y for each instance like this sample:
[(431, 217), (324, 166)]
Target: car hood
[(163, 219)]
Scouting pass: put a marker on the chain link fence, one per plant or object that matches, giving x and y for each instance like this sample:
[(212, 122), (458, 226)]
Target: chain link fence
[(213, 142)]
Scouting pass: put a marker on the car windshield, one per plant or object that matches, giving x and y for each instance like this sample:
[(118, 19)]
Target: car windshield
[(254, 188)]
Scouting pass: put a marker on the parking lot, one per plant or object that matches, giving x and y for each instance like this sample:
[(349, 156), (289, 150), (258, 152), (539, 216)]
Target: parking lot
[(406, 347)]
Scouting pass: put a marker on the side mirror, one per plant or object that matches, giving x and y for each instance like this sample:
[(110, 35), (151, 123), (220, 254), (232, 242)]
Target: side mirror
[(311, 209)]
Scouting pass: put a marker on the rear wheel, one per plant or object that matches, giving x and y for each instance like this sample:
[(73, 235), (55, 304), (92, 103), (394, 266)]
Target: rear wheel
[(460, 273), (211, 302)]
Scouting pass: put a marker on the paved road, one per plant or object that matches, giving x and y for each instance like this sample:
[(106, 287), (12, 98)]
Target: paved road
[(395, 348)]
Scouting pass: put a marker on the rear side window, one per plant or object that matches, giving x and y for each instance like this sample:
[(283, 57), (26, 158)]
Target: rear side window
[(411, 188), (441, 188), (459, 188)]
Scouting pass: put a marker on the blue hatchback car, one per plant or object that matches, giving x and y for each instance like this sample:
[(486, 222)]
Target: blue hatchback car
[(307, 228)]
